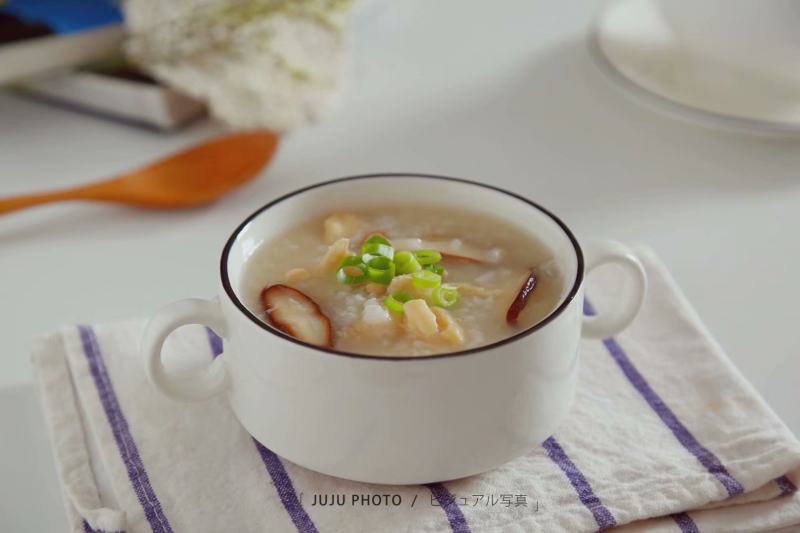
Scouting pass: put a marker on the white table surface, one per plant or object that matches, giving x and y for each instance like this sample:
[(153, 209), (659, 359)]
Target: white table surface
[(508, 96)]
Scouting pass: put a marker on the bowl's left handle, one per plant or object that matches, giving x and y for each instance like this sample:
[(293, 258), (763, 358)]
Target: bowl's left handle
[(209, 380)]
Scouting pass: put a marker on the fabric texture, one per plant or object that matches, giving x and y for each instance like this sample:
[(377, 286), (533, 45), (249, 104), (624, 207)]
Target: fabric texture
[(664, 435)]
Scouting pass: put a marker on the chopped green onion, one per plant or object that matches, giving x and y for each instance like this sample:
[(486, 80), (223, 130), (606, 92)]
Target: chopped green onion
[(375, 249), (444, 296), (352, 270), (378, 239), (427, 257), (436, 269), (425, 279), (380, 270), (394, 302), (401, 258), (406, 263)]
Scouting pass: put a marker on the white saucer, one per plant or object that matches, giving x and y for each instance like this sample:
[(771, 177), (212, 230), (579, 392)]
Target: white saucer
[(634, 45)]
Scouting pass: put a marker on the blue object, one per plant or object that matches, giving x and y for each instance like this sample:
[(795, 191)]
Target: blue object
[(65, 16)]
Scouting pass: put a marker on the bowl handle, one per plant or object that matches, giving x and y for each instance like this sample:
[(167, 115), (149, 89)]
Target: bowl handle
[(606, 325), (209, 381)]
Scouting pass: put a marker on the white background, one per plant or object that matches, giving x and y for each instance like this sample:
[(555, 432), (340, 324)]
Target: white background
[(502, 92)]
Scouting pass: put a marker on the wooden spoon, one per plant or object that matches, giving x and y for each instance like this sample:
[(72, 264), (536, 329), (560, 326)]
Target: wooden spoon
[(189, 178)]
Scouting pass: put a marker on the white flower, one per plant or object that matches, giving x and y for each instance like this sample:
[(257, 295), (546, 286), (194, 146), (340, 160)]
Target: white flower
[(258, 63)]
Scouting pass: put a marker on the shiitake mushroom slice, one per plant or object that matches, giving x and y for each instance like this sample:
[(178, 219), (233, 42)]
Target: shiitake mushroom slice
[(296, 314), (521, 299)]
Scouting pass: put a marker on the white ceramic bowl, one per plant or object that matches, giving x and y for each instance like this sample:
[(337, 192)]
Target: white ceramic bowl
[(395, 420)]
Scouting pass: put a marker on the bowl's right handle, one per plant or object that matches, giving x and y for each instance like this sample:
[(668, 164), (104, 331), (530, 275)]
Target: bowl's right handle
[(606, 325), (208, 381)]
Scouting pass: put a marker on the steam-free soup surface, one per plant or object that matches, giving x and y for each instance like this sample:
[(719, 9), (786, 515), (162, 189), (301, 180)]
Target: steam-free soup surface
[(485, 260)]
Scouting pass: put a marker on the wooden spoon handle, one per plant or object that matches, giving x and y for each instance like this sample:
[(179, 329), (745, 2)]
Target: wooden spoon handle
[(16, 203)]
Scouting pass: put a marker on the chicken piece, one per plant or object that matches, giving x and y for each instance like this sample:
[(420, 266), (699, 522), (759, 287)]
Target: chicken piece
[(296, 275), (334, 256), (294, 313), (406, 284), (449, 329), (375, 288), (340, 225), (420, 320), (400, 283)]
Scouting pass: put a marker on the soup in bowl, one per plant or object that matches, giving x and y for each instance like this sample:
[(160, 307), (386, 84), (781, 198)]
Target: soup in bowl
[(397, 328), (403, 280)]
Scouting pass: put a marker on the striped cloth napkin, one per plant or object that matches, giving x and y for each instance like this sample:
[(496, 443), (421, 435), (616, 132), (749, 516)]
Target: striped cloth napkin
[(664, 435)]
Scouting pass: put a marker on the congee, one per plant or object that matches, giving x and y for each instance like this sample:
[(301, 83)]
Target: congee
[(402, 280)]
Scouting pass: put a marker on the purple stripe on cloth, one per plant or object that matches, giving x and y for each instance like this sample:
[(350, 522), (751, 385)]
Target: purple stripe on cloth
[(786, 485), (215, 341), (685, 522), (458, 523), (706, 458), (588, 498), (122, 434), (285, 487), (88, 529), (275, 469)]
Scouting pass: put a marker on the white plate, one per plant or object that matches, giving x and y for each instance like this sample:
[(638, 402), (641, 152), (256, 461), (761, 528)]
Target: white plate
[(634, 45)]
